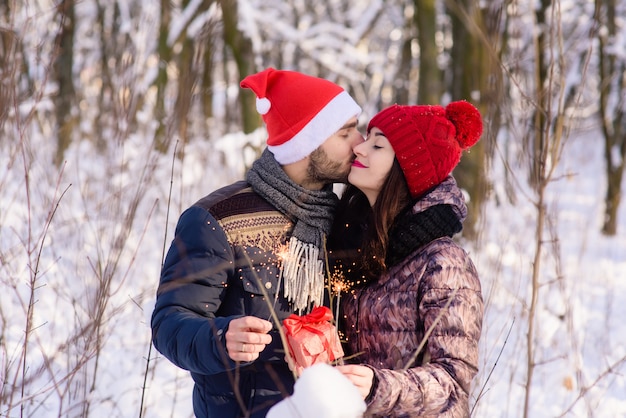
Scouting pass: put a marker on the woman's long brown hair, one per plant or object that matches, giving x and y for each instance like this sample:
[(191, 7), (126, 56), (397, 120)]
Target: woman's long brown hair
[(392, 199)]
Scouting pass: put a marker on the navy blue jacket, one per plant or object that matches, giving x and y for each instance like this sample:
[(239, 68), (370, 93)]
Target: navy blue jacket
[(221, 261)]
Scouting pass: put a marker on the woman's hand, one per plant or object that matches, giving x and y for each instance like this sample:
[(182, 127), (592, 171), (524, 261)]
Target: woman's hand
[(295, 369), (361, 376)]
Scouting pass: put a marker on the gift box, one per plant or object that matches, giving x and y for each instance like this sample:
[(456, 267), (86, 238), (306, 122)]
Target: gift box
[(312, 338)]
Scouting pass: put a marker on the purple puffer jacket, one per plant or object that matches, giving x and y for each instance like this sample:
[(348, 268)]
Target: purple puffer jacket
[(434, 292)]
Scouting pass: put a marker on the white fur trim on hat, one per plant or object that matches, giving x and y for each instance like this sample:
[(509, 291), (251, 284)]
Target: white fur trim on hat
[(263, 105), (328, 121)]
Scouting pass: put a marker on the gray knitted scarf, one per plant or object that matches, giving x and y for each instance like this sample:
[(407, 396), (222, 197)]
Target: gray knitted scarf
[(312, 213)]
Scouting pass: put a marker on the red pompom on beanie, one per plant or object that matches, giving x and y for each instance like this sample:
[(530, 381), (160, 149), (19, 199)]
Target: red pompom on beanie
[(299, 111), (428, 140)]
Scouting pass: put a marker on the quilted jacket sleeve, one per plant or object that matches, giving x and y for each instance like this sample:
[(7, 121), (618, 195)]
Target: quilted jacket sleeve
[(192, 286), (451, 307)]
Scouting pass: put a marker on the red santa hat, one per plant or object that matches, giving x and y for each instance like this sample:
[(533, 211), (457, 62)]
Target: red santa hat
[(299, 111), (428, 140)]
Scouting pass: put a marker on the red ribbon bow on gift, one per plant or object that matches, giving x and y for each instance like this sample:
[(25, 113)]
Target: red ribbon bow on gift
[(294, 323)]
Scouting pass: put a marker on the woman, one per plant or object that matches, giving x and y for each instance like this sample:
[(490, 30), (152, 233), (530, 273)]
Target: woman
[(414, 316)]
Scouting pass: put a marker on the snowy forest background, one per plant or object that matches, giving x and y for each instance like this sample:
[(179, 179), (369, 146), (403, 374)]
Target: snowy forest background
[(115, 115)]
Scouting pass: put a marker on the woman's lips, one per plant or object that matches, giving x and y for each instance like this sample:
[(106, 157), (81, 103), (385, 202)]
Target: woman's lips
[(355, 163)]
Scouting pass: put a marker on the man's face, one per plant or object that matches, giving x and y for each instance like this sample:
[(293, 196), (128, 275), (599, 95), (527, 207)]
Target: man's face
[(331, 162)]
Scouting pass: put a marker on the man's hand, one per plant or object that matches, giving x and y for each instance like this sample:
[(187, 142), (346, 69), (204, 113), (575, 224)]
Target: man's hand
[(361, 376), (247, 337)]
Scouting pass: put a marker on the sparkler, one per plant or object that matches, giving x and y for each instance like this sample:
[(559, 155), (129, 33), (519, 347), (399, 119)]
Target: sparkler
[(282, 252)]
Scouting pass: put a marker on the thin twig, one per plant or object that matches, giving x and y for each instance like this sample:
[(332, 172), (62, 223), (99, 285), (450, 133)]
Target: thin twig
[(277, 323), (167, 215), (430, 330), (482, 389), (583, 391)]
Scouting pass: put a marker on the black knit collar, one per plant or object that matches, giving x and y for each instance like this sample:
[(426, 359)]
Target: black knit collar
[(411, 231)]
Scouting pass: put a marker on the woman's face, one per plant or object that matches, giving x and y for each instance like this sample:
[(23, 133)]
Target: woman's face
[(374, 159)]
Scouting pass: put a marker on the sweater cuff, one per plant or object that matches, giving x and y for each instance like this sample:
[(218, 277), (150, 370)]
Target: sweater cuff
[(370, 395)]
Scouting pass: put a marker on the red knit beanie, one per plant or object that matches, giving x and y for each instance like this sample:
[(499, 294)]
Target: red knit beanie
[(299, 111), (428, 140)]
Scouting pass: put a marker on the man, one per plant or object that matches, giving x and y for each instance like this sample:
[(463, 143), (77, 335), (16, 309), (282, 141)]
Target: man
[(254, 247)]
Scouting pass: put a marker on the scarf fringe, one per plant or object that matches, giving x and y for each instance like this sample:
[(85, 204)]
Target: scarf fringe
[(303, 274)]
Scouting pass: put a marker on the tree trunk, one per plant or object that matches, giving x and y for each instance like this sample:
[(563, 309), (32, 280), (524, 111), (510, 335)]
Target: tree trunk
[(207, 75), (9, 63), (537, 141), (108, 38), (612, 88), (241, 48), (546, 145), (403, 78), (612, 200), (186, 81), (430, 86), (63, 64), (472, 66), (165, 56)]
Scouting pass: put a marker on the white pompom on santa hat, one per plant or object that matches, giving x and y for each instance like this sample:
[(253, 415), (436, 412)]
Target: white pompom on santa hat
[(300, 111)]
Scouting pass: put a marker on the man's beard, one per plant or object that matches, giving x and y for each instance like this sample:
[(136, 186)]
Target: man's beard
[(322, 169)]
